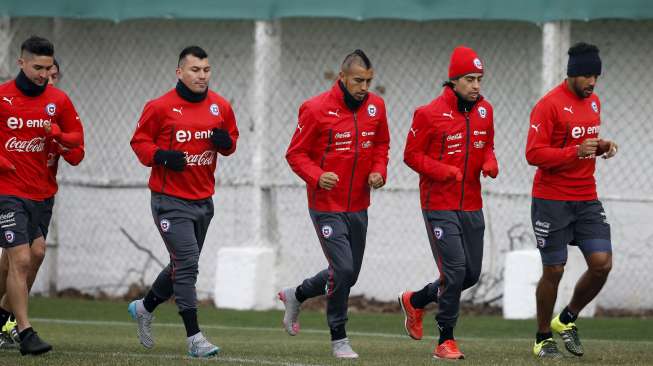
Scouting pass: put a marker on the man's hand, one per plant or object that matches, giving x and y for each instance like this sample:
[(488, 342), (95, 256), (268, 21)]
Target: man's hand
[(588, 147), (490, 168), (454, 173), (375, 180), (221, 139), (607, 149), (52, 129), (173, 159), (328, 180)]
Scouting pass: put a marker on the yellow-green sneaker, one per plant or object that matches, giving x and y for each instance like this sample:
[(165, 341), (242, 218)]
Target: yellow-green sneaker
[(569, 334), (547, 349), (11, 330)]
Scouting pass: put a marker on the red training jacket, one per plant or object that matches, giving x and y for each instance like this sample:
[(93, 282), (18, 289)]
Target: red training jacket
[(24, 140), (559, 123), (443, 141), (173, 123), (331, 138)]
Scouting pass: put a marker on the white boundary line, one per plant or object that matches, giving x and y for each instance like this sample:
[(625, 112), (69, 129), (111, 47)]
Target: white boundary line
[(218, 358), (280, 329)]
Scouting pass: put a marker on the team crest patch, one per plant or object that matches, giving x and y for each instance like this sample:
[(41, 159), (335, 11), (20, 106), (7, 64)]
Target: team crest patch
[(595, 107), (371, 110), (541, 242), (482, 112), (165, 225), (51, 109), (327, 231), (438, 232), (10, 236), (214, 109), (478, 64)]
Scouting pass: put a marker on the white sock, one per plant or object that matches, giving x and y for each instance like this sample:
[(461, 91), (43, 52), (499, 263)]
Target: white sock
[(195, 336), (140, 308)]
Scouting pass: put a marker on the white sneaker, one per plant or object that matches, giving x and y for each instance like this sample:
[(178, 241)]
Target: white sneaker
[(342, 349), (291, 316), (144, 322), (199, 346)]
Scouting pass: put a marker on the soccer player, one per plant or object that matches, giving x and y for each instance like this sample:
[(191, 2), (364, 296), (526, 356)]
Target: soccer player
[(340, 149), (563, 142), (33, 113), (179, 135), (450, 144), (37, 250)]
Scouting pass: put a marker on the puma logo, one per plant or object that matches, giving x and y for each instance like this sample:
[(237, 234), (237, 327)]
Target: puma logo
[(536, 127), (568, 109), (8, 100), (333, 113), (450, 114), (178, 110), (414, 132)]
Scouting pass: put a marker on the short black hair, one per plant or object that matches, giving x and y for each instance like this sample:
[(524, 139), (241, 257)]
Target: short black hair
[(56, 63), (37, 46), (357, 57), (196, 51), (582, 48)]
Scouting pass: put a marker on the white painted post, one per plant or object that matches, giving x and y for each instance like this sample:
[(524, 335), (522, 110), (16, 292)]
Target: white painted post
[(555, 43), (255, 289), (267, 66), (5, 44), (52, 256)]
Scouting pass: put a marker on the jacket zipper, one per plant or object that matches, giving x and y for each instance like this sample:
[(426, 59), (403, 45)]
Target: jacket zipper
[(326, 151), (462, 191), (353, 168)]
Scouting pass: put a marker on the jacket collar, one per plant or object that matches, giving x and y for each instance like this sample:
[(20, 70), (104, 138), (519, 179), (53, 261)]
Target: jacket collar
[(339, 96), (451, 99), (570, 93)]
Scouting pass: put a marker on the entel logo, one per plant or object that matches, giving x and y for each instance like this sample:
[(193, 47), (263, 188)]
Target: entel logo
[(17, 123), (186, 135), (580, 131), (457, 136)]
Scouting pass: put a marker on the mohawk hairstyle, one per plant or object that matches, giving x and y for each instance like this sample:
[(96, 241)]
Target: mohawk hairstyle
[(357, 57)]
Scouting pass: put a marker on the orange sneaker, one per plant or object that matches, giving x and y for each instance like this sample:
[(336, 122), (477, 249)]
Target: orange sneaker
[(448, 350), (412, 316)]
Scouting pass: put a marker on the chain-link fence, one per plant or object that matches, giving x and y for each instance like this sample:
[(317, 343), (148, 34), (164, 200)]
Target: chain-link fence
[(106, 236)]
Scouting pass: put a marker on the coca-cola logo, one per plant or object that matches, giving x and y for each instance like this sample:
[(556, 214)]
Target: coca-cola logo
[(7, 216), (36, 144), (205, 158)]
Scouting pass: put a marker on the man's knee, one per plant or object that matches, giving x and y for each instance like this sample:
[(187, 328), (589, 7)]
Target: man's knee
[(601, 266), (19, 259), (553, 273), (185, 270), (471, 279), (344, 275), (38, 252), (454, 277)]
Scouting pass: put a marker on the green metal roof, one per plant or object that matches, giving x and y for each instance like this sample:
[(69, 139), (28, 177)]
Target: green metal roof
[(521, 10)]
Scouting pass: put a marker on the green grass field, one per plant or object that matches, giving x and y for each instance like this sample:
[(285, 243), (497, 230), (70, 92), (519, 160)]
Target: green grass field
[(101, 333)]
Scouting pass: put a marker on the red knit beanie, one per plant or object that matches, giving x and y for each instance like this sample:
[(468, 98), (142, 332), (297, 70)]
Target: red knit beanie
[(464, 60)]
